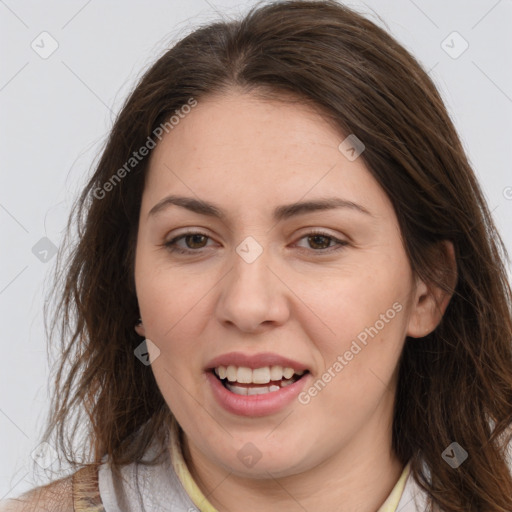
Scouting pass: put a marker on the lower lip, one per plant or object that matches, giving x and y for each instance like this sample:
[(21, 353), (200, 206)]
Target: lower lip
[(255, 405)]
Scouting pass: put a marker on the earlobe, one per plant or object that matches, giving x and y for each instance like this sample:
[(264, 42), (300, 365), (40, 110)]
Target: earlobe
[(430, 301), (139, 328)]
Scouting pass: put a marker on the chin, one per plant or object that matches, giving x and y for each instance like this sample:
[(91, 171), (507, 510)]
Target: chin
[(261, 461)]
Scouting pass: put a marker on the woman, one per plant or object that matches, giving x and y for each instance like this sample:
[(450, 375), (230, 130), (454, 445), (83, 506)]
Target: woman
[(288, 292)]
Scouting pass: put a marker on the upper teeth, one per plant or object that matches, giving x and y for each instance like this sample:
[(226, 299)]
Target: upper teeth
[(263, 375)]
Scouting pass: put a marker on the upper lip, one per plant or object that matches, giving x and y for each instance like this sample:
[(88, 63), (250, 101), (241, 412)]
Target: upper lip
[(254, 361)]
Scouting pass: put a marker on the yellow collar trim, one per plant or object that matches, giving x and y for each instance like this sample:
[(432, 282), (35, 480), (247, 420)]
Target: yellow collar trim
[(203, 505)]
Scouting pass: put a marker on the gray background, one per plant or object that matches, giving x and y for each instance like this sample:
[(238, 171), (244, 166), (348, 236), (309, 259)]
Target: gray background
[(56, 111)]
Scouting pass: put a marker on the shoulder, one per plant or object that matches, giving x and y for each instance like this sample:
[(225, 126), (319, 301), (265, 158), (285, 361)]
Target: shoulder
[(78, 492), (53, 497)]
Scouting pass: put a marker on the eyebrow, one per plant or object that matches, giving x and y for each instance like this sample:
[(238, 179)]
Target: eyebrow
[(280, 213)]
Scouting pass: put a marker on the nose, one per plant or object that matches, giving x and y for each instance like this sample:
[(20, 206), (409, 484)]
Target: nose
[(253, 296)]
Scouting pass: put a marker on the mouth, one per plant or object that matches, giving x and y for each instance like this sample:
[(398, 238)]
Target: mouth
[(245, 381)]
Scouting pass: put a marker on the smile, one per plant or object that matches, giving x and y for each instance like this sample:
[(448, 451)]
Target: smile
[(246, 381)]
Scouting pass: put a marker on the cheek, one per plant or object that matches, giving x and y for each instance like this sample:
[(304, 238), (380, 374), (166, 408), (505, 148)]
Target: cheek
[(366, 303), (367, 313), (173, 306), (169, 298)]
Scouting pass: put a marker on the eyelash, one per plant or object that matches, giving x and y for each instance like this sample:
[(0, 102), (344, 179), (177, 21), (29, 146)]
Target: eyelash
[(171, 244)]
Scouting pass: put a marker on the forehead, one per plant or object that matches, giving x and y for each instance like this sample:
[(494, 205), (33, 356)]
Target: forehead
[(239, 147)]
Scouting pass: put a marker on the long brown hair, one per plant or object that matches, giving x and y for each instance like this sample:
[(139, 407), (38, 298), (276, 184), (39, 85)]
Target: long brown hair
[(455, 385)]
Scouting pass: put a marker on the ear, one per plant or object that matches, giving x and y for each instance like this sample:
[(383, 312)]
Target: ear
[(431, 300), (139, 329)]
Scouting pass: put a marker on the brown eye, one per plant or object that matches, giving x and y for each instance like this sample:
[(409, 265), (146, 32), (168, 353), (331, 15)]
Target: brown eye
[(319, 241), (195, 241), (322, 243)]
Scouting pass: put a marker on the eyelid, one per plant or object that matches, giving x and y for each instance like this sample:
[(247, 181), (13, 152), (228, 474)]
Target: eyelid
[(326, 234), (180, 236)]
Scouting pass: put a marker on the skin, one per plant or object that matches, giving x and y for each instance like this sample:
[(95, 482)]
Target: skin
[(297, 299)]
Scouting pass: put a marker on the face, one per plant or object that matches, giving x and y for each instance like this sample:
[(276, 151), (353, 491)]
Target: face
[(251, 285)]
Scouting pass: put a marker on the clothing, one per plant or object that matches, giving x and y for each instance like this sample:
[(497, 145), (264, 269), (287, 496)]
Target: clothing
[(86, 495), (169, 487)]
